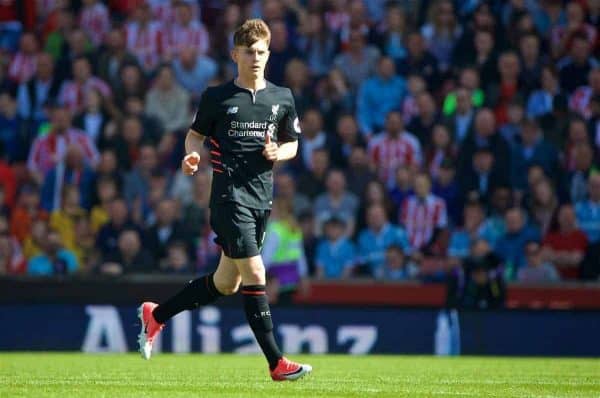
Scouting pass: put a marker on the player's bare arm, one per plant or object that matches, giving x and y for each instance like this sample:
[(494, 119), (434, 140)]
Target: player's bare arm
[(275, 152), (193, 147)]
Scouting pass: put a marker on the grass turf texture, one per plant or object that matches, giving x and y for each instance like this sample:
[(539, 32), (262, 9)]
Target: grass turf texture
[(166, 375)]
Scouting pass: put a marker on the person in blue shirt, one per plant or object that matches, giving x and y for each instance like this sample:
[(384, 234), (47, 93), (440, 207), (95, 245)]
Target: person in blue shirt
[(588, 211), (511, 247), (377, 237), (379, 95), (336, 254), (55, 260)]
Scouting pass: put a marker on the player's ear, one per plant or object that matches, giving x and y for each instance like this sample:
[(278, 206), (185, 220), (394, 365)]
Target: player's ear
[(233, 54)]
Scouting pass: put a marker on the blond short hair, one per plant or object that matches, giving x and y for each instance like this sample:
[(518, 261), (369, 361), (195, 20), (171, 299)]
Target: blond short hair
[(250, 32)]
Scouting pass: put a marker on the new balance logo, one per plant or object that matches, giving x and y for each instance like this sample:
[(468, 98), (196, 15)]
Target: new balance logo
[(232, 110)]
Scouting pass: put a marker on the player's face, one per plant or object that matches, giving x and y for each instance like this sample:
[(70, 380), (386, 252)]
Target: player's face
[(251, 61)]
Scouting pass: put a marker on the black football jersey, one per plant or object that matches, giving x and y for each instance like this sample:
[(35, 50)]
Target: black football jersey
[(236, 122)]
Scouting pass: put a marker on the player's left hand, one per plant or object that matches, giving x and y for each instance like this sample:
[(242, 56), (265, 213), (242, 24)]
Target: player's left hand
[(270, 151)]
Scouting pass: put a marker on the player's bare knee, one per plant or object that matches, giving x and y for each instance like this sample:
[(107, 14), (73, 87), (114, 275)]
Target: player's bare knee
[(227, 288)]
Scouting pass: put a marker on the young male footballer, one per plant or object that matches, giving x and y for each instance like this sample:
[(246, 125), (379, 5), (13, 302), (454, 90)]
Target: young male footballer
[(250, 123)]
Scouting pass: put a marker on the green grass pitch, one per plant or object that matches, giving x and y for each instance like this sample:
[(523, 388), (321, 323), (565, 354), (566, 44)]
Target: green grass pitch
[(167, 375)]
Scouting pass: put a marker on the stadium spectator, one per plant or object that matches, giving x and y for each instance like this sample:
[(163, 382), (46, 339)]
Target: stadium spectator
[(94, 117), (441, 32), (177, 260), (574, 183), (359, 172), (335, 255), (136, 186), (541, 101), (94, 19), (378, 95), (470, 81), (393, 148), (581, 100), (485, 174), (195, 209), (422, 124), (460, 122), (313, 137), (166, 230), (511, 247), (57, 34), (563, 36), (575, 68), (532, 62), (397, 266), (419, 60), (194, 71), (374, 240), (543, 204), (12, 259), (588, 211), (282, 50), (485, 135), (35, 92), (358, 62), (423, 214), (391, 32), (106, 190), (23, 65), (285, 189), (297, 78), (446, 186), (73, 93), (131, 83), (532, 149), (54, 259), (186, 32), (565, 246), (316, 43), (333, 96), (64, 219), (473, 228), (119, 220), (312, 181), (337, 201), (27, 210), (415, 86), (12, 129), (374, 194), (347, 138), (536, 269), (128, 256), (113, 57), (283, 253), (145, 38), (479, 283), (439, 149), (168, 101)]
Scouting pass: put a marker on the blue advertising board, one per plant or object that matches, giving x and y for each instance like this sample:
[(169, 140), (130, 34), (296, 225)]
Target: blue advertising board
[(107, 328)]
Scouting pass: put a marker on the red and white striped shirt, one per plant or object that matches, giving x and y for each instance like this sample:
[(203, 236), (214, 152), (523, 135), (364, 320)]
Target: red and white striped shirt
[(72, 94), (422, 217), (164, 12), (95, 21), (580, 101), (390, 153), (22, 67), (146, 43), (48, 150), (194, 35)]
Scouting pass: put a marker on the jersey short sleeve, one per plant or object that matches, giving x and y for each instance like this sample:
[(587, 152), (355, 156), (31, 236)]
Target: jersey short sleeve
[(289, 127), (204, 121)]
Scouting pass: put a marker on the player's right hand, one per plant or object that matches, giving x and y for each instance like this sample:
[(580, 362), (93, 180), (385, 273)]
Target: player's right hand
[(190, 162)]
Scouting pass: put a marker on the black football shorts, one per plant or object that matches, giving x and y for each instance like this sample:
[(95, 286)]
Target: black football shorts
[(240, 230)]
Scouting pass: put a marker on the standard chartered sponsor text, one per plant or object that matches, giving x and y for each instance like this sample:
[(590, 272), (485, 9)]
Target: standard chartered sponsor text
[(258, 129)]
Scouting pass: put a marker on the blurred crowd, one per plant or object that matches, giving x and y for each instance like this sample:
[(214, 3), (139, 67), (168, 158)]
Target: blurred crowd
[(441, 140)]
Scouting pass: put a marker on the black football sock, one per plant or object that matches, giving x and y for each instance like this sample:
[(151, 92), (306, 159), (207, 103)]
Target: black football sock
[(258, 315), (197, 293)]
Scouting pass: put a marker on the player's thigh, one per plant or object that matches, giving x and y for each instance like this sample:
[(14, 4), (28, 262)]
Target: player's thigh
[(227, 278), (251, 269)]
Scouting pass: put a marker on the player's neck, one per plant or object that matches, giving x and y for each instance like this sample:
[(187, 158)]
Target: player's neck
[(250, 83)]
